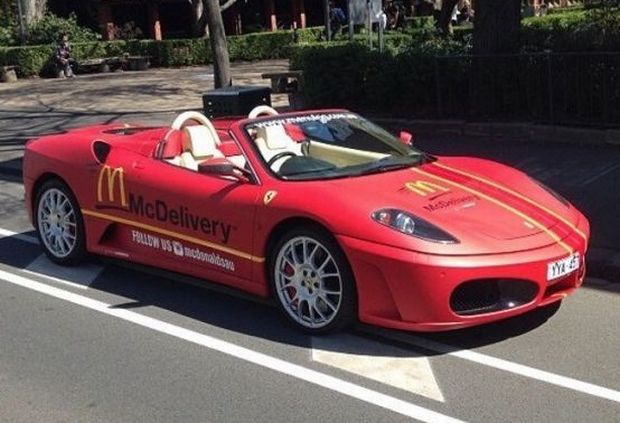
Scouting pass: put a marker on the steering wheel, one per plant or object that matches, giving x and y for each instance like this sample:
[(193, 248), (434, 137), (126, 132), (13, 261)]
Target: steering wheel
[(278, 156), (262, 110)]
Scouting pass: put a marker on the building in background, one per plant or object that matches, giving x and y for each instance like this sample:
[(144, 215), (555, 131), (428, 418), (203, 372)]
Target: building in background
[(159, 19)]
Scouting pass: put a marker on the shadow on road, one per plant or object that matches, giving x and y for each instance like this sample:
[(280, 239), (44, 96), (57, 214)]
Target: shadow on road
[(143, 287)]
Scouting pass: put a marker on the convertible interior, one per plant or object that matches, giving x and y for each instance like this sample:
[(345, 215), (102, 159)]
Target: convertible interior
[(192, 140), (286, 148)]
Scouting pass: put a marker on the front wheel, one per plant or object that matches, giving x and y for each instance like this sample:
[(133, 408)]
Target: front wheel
[(313, 282), (59, 223)]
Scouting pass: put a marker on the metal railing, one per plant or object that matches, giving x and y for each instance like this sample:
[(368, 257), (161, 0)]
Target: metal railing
[(556, 88)]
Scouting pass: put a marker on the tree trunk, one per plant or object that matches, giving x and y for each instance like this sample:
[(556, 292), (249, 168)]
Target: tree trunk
[(496, 32), (217, 38), (199, 25), (496, 27), (33, 10), (445, 16)]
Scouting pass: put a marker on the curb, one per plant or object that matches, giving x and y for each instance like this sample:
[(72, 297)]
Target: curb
[(524, 131), (604, 264), (11, 171)]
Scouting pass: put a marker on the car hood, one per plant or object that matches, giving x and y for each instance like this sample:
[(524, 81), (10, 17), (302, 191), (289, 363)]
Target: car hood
[(490, 208)]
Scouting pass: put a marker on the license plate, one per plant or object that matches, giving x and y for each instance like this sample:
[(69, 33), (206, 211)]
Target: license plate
[(559, 268)]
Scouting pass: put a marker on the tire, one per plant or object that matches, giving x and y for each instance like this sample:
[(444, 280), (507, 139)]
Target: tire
[(312, 282), (59, 223)]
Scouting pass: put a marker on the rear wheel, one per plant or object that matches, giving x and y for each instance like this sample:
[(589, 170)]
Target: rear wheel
[(312, 282), (59, 223)]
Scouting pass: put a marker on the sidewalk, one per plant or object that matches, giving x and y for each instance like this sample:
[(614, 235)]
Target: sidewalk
[(153, 90), (31, 108)]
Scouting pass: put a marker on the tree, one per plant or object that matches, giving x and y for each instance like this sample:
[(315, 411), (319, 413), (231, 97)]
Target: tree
[(207, 19), (445, 16), (33, 10), (496, 32), (497, 26)]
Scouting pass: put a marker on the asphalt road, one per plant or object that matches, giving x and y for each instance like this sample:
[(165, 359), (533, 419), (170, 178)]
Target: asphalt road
[(110, 343), (104, 342)]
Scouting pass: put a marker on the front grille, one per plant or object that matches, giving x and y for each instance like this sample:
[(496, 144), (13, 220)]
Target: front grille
[(489, 295)]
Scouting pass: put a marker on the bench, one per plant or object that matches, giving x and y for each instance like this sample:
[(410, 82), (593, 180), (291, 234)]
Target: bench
[(136, 63), (8, 74), (285, 82), (102, 64)]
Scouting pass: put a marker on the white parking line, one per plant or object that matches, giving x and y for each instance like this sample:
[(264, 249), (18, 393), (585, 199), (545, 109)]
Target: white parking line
[(308, 375), (76, 276), (486, 360), (599, 175), (22, 237), (381, 362), (507, 366)]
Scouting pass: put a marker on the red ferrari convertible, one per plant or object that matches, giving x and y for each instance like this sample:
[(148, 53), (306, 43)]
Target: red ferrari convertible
[(333, 217)]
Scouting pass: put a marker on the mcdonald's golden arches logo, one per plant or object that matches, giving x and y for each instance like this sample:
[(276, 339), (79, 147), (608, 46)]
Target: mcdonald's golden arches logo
[(424, 187), (110, 176)]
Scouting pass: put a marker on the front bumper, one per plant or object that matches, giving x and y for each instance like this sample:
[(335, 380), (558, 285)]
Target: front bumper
[(401, 289)]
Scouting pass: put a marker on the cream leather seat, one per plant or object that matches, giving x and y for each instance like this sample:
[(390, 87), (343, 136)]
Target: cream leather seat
[(272, 140), (199, 144)]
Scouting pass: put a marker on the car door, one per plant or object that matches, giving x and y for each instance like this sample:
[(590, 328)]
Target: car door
[(176, 218), (204, 222)]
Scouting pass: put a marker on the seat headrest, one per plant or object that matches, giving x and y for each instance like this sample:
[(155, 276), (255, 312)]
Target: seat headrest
[(200, 141), (275, 137), (174, 145)]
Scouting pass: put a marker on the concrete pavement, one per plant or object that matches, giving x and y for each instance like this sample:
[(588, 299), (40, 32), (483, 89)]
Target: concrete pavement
[(31, 108)]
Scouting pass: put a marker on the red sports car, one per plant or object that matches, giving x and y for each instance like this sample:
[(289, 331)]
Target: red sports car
[(330, 215)]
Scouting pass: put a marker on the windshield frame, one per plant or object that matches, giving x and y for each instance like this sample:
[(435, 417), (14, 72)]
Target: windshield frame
[(380, 134)]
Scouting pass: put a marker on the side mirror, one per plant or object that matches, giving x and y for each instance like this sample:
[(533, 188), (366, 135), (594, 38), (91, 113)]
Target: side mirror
[(223, 167), (406, 137)]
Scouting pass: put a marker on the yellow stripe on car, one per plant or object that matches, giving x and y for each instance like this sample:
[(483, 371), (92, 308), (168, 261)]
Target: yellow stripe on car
[(516, 194), (173, 234), (503, 205)]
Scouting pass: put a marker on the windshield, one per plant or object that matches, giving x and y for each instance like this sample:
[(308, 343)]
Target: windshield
[(329, 145)]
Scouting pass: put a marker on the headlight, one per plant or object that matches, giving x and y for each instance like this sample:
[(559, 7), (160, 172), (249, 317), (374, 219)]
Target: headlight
[(552, 192), (412, 225)]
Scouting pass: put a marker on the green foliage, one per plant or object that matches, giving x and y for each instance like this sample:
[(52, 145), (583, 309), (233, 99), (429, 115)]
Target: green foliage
[(180, 52), (261, 45), (310, 35), (579, 30), (561, 10), (353, 76), (38, 60), (8, 31), (600, 30), (49, 29), (333, 73), (7, 35), (420, 22), (30, 60), (406, 63)]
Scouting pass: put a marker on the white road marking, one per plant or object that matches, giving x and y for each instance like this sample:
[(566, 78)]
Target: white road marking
[(302, 373), (76, 276), (383, 363), (22, 237), (508, 366), (486, 360), (599, 175)]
